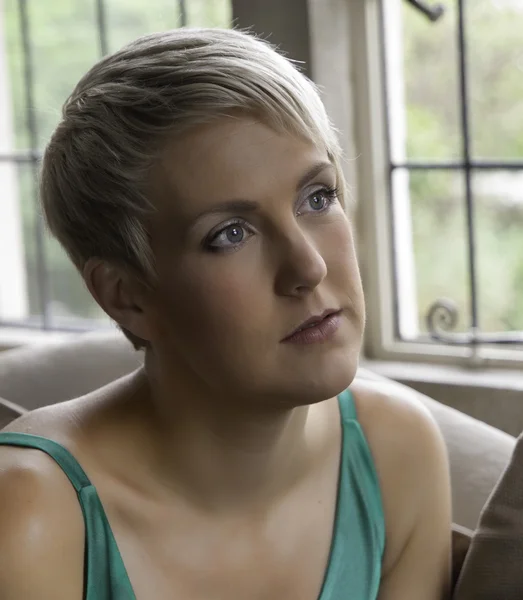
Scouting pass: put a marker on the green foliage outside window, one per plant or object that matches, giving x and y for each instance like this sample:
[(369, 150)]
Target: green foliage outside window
[(65, 44)]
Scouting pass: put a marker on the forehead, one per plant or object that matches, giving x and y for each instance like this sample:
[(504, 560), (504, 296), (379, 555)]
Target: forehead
[(236, 158)]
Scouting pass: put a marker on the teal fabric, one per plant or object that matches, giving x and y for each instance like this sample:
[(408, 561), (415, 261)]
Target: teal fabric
[(105, 574), (354, 568)]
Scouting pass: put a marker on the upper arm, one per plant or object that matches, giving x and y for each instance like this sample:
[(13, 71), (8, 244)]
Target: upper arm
[(41, 530), (412, 464)]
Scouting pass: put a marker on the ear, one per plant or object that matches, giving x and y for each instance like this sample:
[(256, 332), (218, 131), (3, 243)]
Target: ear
[(119, 294)]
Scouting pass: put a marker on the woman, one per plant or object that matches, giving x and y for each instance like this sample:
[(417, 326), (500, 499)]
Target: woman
[(195, 182)]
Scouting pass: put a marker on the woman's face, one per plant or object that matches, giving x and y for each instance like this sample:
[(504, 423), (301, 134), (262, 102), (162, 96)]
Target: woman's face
[(251, 241)]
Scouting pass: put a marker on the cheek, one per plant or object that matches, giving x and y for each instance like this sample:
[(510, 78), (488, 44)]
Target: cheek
[(337, 248), (215, 299), (339, 254)]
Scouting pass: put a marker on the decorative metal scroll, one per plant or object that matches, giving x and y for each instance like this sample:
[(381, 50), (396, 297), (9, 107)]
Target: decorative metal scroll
[(442, 317), (431, 12)]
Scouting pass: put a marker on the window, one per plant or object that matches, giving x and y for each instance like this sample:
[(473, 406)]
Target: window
[(439, 167), (45, 47), (442, 199)]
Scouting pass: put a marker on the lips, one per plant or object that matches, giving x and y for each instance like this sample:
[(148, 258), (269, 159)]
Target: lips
[(312, 321)]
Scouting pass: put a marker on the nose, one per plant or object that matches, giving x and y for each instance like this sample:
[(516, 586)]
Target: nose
[(301, 267)]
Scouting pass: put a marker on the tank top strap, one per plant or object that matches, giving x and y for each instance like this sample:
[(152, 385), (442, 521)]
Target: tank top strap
[(105, 576), (359, 530), (347, 406), (56, 451)]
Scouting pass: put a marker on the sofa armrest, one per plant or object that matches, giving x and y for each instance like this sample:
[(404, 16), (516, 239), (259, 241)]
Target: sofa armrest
[(9, 411), (48, 373), (461, 539)]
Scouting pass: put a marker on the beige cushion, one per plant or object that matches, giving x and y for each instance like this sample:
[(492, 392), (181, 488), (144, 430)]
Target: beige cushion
[(9, 412), (461, 538), (493, 568), (47, 373)]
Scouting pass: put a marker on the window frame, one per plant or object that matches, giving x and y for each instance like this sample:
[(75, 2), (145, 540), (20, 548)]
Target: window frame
[(17, 325), (354, 91), (375, 217)]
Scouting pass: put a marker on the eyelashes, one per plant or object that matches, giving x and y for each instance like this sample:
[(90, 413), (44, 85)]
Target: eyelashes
[(234, 233), (236, 227), (329, 194)]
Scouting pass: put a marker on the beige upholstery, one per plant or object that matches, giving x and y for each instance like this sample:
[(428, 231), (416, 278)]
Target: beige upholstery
[(45, 374), (493, 566), (461, 540), (9, 412)]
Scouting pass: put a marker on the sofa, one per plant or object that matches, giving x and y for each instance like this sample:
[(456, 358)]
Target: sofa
[(50, 372)]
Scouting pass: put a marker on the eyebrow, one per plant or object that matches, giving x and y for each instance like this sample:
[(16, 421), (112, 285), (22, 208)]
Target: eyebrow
[(316, 169), (248, 206)]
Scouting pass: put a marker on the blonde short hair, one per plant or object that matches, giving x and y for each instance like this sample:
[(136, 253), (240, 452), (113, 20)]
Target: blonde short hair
[(96, 167)]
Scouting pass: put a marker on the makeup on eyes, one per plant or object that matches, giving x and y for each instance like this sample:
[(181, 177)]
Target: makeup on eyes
[(238, 226)]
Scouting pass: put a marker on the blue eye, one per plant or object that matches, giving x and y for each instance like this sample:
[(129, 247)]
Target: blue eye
[(229, 237), (318, 201), (234, 234), (321, 200)]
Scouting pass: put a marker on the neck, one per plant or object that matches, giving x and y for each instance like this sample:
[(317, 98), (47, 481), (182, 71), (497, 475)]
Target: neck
[(221, 454)]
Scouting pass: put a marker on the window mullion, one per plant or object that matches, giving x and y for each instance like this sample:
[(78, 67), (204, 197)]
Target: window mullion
[(469, 200), (28, 73)]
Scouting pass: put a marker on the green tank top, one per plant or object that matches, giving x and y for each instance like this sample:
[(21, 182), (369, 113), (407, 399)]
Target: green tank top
[(354, 568)]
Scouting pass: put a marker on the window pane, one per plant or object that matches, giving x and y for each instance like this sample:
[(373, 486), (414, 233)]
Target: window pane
[(64, 45), (127, 20), (422, 83), (439, 244), (70, 301), (14, 86), (499, 226), (495, 55), (209, 13), (27, 189), (20, 302), (65, 42)]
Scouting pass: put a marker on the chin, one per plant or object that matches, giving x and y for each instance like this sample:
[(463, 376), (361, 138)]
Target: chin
[(327, 380)]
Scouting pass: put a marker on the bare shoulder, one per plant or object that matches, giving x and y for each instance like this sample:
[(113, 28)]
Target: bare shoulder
[(395, 404), (402, 434), (412, 465), (41, 529), (396, 423)]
